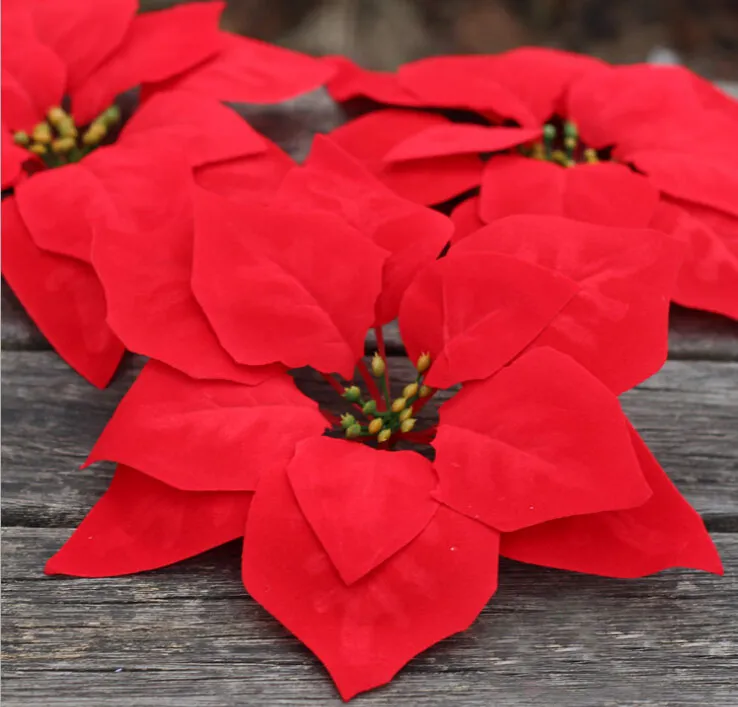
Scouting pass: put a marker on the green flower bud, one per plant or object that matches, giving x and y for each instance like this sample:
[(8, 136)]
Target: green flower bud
[(370, 407), (347, 419), (352, 394), (353, 432)]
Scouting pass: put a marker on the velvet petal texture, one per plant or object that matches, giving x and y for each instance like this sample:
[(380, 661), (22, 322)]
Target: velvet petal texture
[(542, 439), (432, 181), (617, 324), (143, 524), (13, 158), (249, 71), (292, 286), (207, 435), (146, 275), (605, 193), (466, 219), (475, 312), (333, 181), (63, 297), (363, 504), (364, 633), (664, 532)]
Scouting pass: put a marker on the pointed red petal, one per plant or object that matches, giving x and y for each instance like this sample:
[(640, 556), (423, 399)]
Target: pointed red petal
[(13, 158), (605, 193), (542, 439), (203, 129), (465, 218), (664, 532), (352, 81), (617, 325), (142, 524), (83, 34), (146, 275), (246, 70), (370, 137), (459, 139), (63, 297), (475, 312), (363, 504), (281, 285), (157, 46), (251, 175), (333, 181), (207, 435), (366, 632), (708, 278)]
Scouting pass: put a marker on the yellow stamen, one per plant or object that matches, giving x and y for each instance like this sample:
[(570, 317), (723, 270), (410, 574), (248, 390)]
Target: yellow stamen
[(423, 364), (95, 134), (398, 404), (375, 426), (42, 133), (425, 391), (410, 391), (408, 424), (407, 412), (590, 156), (57, 115), (384, 435), (378, 365), (63, 144), (21, 138), (37, 148)]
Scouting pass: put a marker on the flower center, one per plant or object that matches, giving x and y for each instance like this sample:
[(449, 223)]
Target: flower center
[(57, 141), (379, 417), (561, 145)]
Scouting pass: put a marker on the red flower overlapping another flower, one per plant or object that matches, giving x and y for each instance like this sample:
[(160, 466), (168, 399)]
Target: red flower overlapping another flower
[(645, 146), (370, 555), (69, 180)]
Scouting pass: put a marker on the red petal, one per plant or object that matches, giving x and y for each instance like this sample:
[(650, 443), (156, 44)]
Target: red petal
[(84, 33), (708, 278), (364, 633), (250, 175), (364, 505), (142, 524), (146, 275), (617, 325), (604, 193), (475, 312), (64, 297), (246, 70), (370, 137), (466, 82), (465, 218), (117, 187), (333, 181), (13, 158), (702, 179), (457, 138), (664, 532), (34, 78), (282, 285), (204, 130), (207, 435), (542, 439), (157, 46), (352, 81)]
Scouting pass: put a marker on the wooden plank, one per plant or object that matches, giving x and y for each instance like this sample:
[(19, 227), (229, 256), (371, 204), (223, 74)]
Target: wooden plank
[(688, 414), (189, 635)]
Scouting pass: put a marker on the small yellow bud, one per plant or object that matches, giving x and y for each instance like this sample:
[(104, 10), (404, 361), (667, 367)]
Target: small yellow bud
[(67, 128), (378, 366), (352, 393), (375, 426), (370, 407), (425, 391), (94, 134), (423, 364), (590, 156), (538, 152), (111, 116), (406, 413), (410, 391), (570, 143), (38, 149), (398, 404), (408, 424), (353, 431), (42, 133), (347, 419), (21, 138), (559, 156), (63, 144), (384, 435), (57, 115)]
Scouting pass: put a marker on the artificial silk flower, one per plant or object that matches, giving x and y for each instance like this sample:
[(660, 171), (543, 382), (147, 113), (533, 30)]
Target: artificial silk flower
[(642, 146)]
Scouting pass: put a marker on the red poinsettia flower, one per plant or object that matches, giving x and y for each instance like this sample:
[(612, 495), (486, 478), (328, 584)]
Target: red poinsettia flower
[(68, 180), (391, 552), (637, 143)]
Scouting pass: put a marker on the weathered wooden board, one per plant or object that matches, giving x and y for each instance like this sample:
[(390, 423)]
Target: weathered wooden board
[(188, 635), (51, 418)]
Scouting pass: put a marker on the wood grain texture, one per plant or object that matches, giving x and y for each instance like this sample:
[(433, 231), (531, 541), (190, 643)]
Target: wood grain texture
[(189, 635), (51, 418)]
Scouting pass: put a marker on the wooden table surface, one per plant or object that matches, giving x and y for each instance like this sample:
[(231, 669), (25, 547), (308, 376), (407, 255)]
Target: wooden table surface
[(189, 636)]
